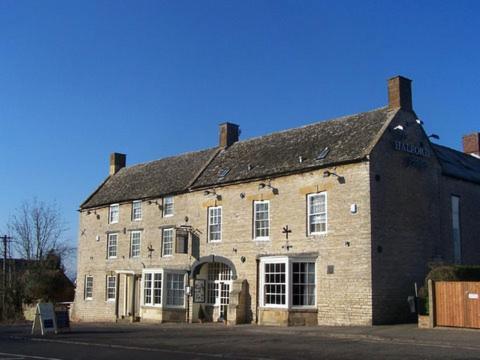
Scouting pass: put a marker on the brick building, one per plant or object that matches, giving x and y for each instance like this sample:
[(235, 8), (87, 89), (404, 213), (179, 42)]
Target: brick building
[(331, 223)]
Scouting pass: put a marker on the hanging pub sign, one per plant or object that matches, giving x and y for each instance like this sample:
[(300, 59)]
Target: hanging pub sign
[(199, 291), (45, 320)]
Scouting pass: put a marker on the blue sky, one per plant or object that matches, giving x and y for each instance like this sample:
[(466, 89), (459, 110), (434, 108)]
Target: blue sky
[(79, 80)]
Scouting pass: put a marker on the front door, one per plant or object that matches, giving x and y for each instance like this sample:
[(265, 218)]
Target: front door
[(218, 289)]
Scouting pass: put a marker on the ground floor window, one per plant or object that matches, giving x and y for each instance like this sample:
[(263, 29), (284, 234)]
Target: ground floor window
[(162, 287), (287, 282), (111, 288), (88, 287), (152, 288), (175, 289)]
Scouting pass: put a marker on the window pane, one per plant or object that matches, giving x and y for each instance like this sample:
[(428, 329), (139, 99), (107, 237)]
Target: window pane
[(137, 210), (175, 289), (135, 243), (113, 214), (111, 287), (261, 219), (303, 284), (274, 286), (167, 242), (147, 288), (215, 223), (89, 287), (168, 206), (112, 245), (317, 213), (157, 288)]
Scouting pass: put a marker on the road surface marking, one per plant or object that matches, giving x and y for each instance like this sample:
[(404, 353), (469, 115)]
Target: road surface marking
[(24, 356)]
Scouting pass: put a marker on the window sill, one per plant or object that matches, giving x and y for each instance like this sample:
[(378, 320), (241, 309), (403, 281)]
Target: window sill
[(159, 306), (214, 241), (167, 215), (260, 239)]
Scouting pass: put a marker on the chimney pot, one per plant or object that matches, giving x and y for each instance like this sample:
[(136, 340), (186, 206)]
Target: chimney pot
[(117, 161), (471, 144), (229, 134), (400, 93)]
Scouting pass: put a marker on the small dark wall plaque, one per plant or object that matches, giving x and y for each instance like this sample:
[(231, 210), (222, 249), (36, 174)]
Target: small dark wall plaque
[(330, 269)]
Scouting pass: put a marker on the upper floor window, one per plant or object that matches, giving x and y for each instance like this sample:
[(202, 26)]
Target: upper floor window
[(111, 288), (261, 221), (88, 291), (317, 213), (215, 223), (112, 244), (135, 241), (457, 240), (113, 213), (168, 206), (137, 210), (167, 243)]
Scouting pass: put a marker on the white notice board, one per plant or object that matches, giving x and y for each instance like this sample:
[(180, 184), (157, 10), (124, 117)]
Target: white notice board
[(45, 319)]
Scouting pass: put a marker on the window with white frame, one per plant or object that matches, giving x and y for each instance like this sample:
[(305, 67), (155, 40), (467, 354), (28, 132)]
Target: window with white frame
[(317, 213), (167, 242), (112, 245), (303, 283), (135, 241), (168, 206), (137, 210), (287, 282), (88, 287), (111, 287), (261, 221), (175, 289), (275, 284), (215, 223), (113, 213), (152, 288)]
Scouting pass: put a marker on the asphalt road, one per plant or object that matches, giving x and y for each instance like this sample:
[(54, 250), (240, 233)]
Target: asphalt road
[(248, 342)]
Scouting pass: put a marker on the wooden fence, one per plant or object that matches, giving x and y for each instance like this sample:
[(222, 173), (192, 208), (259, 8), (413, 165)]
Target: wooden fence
[(457, 303)]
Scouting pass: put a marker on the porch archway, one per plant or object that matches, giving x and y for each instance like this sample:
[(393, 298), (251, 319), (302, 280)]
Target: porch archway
[(197, 265)]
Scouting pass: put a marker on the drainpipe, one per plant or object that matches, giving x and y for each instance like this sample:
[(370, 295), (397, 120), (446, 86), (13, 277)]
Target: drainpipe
[(257, 291)]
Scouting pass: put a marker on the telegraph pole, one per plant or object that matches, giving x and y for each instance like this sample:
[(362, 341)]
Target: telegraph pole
[(5, 239)]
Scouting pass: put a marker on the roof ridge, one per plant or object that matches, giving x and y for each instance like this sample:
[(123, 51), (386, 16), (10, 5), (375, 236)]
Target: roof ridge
[(340, 118), (457, 151), (168, 158)]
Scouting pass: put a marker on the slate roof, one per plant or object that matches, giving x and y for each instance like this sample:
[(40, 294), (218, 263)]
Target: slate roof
[(458, 164), (341, 140), (169, 175), (347, 139)]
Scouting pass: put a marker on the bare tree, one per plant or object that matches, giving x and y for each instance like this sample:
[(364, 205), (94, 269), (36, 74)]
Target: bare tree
[(38, 228)]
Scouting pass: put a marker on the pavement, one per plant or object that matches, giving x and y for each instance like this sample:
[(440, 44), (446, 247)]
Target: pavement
[(247, 342)]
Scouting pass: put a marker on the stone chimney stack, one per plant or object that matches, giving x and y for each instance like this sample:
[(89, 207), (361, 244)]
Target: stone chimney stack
[(400, 93), (229, 134), (117, 161), (471, 144)]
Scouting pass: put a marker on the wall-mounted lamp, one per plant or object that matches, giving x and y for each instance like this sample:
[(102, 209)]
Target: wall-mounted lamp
[(434, 136), (242, 195), (269, 186), (234, 250), (328, 173), (212, 193)]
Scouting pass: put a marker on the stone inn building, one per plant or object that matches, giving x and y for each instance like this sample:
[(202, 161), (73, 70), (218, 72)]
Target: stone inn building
[(331, 223)]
